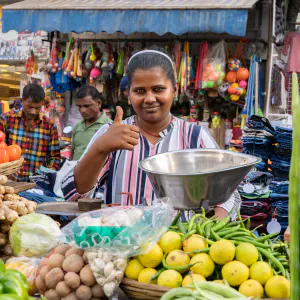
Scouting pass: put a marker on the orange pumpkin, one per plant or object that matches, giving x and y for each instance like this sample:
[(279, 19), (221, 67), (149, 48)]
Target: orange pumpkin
[(4, 158), (14, 152), (242, 74), (231, 76)]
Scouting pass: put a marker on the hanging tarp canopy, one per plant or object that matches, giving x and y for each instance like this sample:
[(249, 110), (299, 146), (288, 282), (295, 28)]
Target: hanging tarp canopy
[(129, 16)]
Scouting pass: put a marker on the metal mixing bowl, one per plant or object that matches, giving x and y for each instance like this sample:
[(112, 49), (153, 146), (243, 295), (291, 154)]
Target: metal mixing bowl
[(188, 177)]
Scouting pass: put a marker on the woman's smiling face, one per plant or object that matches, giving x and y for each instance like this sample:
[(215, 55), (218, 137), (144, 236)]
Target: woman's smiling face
[(151, 94)]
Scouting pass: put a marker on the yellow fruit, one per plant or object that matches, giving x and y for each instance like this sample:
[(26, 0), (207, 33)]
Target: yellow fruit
[(194, 242), (153, 258), (277, 287), (133, 270), (219, 282), (170, 241), (170, 278), (205, 265), (246, 253), (235, 273), (146, 275), (222, 252), (178, 258), (261, 272), (188, 279), (251, 288)]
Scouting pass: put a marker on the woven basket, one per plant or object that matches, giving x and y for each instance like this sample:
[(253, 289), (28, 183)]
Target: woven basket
[(135, 290), (11, 167)]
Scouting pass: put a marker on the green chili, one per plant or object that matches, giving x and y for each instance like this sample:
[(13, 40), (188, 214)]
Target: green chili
[(181, 227), (187, 235), (177, 217), (221, 224)]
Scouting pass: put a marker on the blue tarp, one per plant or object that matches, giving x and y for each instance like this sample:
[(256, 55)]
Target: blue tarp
[(177, 22)]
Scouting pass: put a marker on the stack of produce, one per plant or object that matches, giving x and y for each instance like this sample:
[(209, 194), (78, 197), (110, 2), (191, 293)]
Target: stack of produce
[(66, 274), (213, 250), (8, 153), (11, 207)]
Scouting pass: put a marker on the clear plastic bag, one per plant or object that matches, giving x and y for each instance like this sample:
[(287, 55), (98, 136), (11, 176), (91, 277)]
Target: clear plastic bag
[(112, 234), (27, 266), (214, 66)]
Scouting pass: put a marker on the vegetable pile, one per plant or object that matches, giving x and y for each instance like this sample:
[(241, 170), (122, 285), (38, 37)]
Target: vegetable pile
[(66, 274), (207, 249), (11, 207), (13, 284)]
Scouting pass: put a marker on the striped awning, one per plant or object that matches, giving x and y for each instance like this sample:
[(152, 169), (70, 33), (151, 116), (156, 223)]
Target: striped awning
[(129, 16)]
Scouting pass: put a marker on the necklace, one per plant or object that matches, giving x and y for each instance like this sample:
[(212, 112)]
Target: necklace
[(152, 134)]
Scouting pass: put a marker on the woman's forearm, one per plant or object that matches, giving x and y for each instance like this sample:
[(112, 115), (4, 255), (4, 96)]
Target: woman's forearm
[(88, 169)]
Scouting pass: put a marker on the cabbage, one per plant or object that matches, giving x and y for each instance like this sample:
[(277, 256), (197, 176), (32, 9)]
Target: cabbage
[(34, 235)]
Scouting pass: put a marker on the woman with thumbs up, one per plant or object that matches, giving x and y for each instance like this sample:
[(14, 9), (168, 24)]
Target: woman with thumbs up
[(113, 155)]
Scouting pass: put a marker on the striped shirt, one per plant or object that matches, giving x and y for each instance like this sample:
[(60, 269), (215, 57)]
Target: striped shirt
[(121, 173)]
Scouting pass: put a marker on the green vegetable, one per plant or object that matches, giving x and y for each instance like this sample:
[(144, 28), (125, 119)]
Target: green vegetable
[(2, 266), (221, 224), (13, 285), (240, 218), (181, 227), (9, 297), (207, 229), (192, 221), (252, 241), (177, 292), (215, 235), (229, 230), (176, 268), (234, 223), (176, 218), (199, 229), (267, 237), (204, 250), (235, 234), (190, 233), (18, 275), (156, 275), (202, 229)]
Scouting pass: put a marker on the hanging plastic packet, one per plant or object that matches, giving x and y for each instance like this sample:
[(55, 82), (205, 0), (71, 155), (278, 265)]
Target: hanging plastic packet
[(113, 234), (274, 226)]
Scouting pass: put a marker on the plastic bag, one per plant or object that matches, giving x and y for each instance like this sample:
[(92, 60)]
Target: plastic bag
[(112, 234), (214, 66), (27, 266)]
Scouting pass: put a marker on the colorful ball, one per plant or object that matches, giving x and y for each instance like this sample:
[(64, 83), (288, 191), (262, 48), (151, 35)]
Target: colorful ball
[(219, 82), (243, 84), (222, 75), (210, 84), (234, 64), (234, 97), (218, 67), (231, 90), (239, 91)]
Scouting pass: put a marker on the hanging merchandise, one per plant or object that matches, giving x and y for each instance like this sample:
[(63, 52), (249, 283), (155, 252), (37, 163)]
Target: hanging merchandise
[(67, 55), (215, 66), (79, 67), (31, 65), (53, 65), (120, 65), (199, 72), (177, 55)]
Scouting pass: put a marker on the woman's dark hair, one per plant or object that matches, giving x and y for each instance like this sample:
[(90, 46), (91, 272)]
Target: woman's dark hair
[(33, 91), (148, 60), (88, 90)]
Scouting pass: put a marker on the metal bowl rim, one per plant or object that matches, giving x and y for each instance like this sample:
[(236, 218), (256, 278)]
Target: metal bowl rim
[(257, 160)]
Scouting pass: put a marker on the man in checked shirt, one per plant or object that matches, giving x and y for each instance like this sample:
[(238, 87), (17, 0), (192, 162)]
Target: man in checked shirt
[(33, 132)]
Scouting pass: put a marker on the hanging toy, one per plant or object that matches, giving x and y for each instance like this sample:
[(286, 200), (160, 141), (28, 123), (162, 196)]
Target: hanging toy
[(71, 63), (242, 74), (234, 98), (95, 72), (53, 66), (79, 67), (76, 57), (88, 63), (231, 77), (232, 89), (67, 55), (223, 90), (104, 58), (31, 64), (120, 65), (243, 84), (93, 56), (111, 60), (234, 64)]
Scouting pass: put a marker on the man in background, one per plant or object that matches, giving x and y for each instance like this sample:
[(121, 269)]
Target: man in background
[(88, 101), (33, 132)]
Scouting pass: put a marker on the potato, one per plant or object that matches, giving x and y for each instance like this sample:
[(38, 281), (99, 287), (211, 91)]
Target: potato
[(10, 197), (72, 280), (62, 249), (73, 263), (87, 277), (97, 291), (52, 295), (9, 190), (74, 250), (56, 261), (54, 277), (3, 179), (71, 296), (84, 293), (40, 285), (2, 190), (62, 289), (44, 271)]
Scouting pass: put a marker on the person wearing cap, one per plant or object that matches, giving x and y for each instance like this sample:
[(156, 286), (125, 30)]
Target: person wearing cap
[(88, 101)]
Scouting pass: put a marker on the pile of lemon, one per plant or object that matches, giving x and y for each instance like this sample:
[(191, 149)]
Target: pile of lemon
[(239, 266)]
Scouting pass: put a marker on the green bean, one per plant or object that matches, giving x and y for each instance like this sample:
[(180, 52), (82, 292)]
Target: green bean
[(181, 227), (257, 227), (207, 229), (267, 237), (221, 224), (235, 234), (192, 221), (187, 235), (260, 257), (156, 275), (273, 259), (203, 226), (176, 268), (204, 250), (248, 223), (276, 254), (240, 218), (199, 229), (245, 240), (209, 242), (229, 230), (215, 235), (177, 292), (176, 218), (234, 223)]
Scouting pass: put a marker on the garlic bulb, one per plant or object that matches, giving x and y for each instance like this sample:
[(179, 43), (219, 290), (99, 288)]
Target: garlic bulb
[(108, 268)]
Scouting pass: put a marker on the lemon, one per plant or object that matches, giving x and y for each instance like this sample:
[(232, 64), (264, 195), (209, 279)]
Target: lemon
[(205, 265), (134, 268), (251, 288), (246, 253), (219, 282), (170, 241), (277, 287), (170, 278), (222, 252), (188, 279), (146, 275), (194, 242), (153, 258), (178, 258), (235, 273), (261, 272)]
